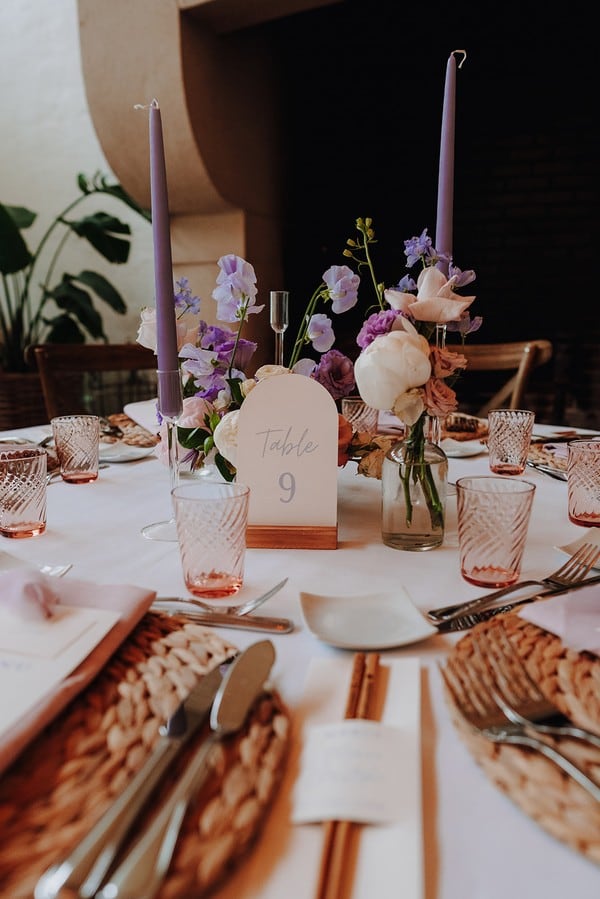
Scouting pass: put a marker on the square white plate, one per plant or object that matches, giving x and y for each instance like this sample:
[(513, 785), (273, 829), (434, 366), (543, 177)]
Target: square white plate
[(458, 449), (365, 620)]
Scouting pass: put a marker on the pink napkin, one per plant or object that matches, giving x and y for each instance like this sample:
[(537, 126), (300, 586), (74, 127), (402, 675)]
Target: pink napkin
[(32, 594), (573, 616)]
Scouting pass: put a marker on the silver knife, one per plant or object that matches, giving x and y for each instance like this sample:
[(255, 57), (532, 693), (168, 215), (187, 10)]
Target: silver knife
[(263, 623), (85, 868), (465, 622)]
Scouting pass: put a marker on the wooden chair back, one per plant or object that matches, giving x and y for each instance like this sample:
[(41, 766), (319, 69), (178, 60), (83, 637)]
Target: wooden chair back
[(517, 359), (96, 378)]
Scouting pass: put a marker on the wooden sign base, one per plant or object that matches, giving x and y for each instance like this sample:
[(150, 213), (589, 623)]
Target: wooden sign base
[(290, 537)]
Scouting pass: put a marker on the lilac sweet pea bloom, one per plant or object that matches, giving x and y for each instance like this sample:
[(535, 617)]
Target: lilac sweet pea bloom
[(342, 284), (320, 332), (336, 373), (235, 292)]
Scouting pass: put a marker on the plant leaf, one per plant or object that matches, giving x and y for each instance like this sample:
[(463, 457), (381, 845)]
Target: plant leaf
[(63, 329), (14, 254), (99, 230), (103, 289), (79, 305)]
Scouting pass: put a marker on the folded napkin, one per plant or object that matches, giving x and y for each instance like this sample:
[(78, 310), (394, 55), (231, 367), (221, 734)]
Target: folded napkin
[(27, 599), (573, 616)]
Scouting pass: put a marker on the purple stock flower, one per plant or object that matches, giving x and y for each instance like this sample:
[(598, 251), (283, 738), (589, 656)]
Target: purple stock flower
[(336, 373), (418, 247), (376, 324), (342, 284)]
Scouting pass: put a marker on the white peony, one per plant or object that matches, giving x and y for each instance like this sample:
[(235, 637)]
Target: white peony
[(226, 436), (391, 365)]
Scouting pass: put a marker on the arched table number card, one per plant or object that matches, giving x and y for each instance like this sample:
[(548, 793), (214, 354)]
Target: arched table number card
[(287, 455)]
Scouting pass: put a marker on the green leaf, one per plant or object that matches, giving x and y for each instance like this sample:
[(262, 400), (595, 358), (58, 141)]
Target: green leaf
[(103, 289), (235, 385), (226, 470), (192, 438), (14, 254), (79, 305), (63, 329), (99, 230)]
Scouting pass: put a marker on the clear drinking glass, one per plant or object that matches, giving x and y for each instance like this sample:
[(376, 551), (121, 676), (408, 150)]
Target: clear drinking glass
[(360, 416), (509, 438), (583, 482), (493, 516), (77, 441), (211, 519), (22, 490)]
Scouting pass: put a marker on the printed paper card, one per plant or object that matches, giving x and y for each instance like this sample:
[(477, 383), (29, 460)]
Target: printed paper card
[(287, 452)]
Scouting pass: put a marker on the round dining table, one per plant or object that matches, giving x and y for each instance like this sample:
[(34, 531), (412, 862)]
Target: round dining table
[(472, 841)]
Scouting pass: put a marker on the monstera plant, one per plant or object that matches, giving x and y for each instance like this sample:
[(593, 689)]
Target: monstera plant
[(39, 303)]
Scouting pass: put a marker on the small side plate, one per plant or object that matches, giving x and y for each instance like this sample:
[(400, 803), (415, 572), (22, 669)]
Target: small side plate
[(458, 449), (122, 452), (365, 620)]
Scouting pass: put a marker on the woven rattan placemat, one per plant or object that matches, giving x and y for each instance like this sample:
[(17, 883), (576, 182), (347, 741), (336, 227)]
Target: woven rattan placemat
[(65, 780), (572, 681)]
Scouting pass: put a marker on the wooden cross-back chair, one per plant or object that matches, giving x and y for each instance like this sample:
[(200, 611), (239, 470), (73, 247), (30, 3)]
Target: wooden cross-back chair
[(96, 378), (514, 361)]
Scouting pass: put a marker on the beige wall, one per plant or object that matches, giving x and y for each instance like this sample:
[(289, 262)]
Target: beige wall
[(47, 137)]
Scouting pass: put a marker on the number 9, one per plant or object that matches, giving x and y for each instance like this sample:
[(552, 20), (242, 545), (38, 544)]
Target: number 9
[(287, 482)]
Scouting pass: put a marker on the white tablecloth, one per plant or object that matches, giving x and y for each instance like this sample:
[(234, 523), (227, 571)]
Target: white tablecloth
[(477, 843)]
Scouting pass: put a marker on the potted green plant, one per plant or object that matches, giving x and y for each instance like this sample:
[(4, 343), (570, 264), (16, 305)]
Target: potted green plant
[(41, 304)]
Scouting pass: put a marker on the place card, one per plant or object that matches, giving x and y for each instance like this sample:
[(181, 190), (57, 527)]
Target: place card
[(350, 772), (287, 455)]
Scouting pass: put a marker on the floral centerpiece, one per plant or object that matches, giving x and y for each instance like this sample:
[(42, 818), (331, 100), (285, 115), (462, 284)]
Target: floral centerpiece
[(214, 358), (403, 365)]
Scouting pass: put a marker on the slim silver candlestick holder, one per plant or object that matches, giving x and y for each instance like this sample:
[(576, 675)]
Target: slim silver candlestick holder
[(279, 320)]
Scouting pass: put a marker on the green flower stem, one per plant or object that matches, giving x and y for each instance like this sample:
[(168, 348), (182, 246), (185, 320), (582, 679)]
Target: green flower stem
[(369, 262), (416, 469), (242, 316), (301, 337)]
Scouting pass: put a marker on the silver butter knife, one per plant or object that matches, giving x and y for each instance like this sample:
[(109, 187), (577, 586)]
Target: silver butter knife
[(84, 870), (263, 623), (465, 622)]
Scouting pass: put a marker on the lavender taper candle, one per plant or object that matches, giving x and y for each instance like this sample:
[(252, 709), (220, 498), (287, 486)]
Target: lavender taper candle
[(169, 378), (445, 200)]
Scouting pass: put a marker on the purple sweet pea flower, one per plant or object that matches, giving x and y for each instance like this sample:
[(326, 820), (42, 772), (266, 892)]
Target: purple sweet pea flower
[(320, 332), (235, 292), (462, 278), (342, 284), (336, 373), (376, 324)]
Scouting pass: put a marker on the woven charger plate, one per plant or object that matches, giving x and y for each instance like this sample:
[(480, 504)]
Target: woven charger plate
[(572, 681), (61, 785)]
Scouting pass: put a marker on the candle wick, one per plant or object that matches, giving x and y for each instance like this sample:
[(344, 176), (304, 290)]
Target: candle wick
[(153, 105), (464, 53)]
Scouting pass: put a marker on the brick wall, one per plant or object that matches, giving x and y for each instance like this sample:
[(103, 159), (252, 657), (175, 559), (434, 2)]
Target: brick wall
[(362, 111)]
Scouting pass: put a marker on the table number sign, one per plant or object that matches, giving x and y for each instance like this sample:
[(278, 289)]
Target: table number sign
[(287, 455)]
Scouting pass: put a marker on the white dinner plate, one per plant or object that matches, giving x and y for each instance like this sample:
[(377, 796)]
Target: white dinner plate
[(122, 452), (592, 535), (459, 449), (365, 620)]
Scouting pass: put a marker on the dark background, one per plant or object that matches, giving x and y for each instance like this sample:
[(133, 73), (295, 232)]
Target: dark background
[(362, 85)]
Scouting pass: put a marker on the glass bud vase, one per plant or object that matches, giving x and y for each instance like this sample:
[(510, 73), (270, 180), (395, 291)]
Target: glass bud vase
[(414, 481)]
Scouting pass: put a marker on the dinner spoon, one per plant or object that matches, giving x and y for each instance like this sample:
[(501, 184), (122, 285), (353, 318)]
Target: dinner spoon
[(241, 608)]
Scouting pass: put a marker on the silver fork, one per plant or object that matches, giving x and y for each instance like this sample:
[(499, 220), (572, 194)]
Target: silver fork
[(517, 693), (482, 715), (572, 572), (241, 608)]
